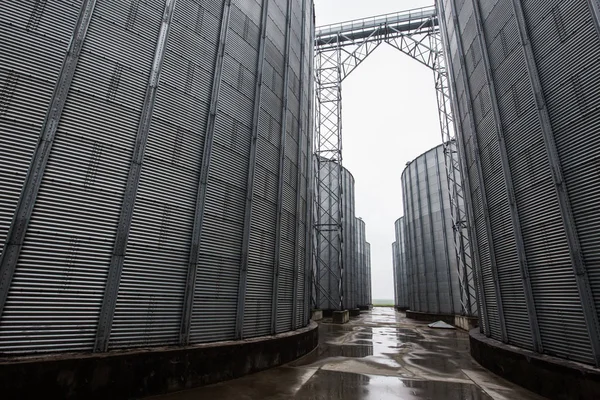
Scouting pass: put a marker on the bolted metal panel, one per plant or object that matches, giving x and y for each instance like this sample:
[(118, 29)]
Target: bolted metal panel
[(204, 168), (107, 311), (330, 246), (400, 263), (149, 303), (427, 224), (529, 83), (179, 208), (40, 86)]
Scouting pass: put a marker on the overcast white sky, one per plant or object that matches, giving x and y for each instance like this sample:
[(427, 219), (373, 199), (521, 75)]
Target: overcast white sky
[(390, 117)]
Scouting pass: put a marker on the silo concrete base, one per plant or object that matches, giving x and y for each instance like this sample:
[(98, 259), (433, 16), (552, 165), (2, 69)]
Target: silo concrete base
[(144, 372), (552, 377), (354, 312), (341, 317), (317, 315), (365, 308)]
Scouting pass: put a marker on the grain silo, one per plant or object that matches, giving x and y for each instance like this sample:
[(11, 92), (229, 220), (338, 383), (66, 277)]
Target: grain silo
[(400, 266), (525, 80), (431, 270), (538, 239), (367, 281), (329, 241), (154, 172)]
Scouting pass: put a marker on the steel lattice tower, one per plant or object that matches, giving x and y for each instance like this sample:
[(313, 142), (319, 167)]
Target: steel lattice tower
[(339, 49)]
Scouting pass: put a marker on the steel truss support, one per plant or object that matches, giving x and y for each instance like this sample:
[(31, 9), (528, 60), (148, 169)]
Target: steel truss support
[(339, 50)]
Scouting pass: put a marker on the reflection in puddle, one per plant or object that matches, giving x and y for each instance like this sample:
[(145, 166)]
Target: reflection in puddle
[(348, 386)]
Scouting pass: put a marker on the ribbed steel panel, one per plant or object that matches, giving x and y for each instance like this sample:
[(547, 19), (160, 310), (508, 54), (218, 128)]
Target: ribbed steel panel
[(545, 78), (148, 309), (427, 253), (60, 281), (330, 248), (400, 264)]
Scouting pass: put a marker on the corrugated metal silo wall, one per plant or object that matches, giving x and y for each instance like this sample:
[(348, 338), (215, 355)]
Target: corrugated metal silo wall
[(367, 282), (431, 270), (329, 274), (400, 278), (134, 136), (526, 88), (395, 271), (361, 261)]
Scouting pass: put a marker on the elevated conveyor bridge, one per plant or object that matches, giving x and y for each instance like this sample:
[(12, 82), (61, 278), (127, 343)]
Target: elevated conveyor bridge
[(339, 49)]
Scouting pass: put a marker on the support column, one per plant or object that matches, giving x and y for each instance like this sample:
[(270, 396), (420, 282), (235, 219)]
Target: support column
[(22, 216), (190, 287), (281, 182), (469, 113), (514, 208), (135, 170), (241, 303), (577, 261)]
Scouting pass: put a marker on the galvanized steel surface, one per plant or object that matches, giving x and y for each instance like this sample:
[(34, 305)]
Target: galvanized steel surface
[(153, 107), (353, 250), (400, 265), (526, 74), (425, 233)]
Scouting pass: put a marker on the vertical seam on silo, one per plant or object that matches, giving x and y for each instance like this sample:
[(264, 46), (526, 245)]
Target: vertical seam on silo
[(301, 128), (514, 208), (444, 232), (594, 6), (120, 246), (474, 132), (190, 288), (464, 175), (431, 232), (309, 263), (569, 226), (422, 233), (415, 258), (22, 216), (282, 143), (241, 302)]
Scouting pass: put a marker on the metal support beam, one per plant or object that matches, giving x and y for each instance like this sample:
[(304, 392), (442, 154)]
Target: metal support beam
[(514, 209), (473, 127), (281, 182), (444, 231), (577, 261), (422, 232), (432, 234), (455, 180), (594, 6), (135, 170), (241, 302), (190, 287), (301, 133), (22, 216)]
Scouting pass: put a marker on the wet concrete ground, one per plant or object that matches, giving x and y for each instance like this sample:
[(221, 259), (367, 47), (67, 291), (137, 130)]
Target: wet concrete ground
[(380, 355)]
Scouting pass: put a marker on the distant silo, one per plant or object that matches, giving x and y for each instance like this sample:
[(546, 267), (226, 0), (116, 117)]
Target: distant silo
[(400, 266), (329, 242), (361, 255), (154, 172), (431, 269), (367, 281), (527, 89)]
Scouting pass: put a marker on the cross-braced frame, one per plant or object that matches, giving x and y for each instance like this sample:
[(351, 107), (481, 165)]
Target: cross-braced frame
[(339, 50)]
